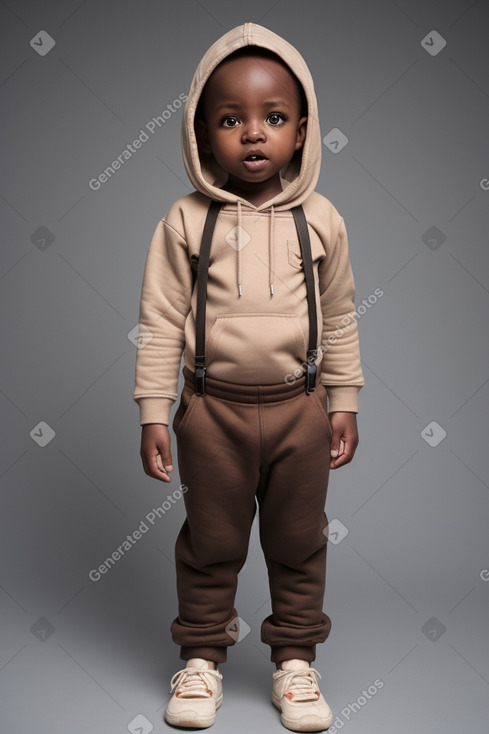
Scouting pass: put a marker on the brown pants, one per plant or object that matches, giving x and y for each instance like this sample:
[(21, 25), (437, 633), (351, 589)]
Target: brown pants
[(237, 443)]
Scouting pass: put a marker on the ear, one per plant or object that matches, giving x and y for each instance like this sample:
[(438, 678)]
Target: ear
[(301, 133), (202, 134)]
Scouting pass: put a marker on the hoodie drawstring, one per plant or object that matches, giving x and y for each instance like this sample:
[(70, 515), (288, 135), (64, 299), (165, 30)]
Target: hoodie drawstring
[(240, 246), (271, 249)]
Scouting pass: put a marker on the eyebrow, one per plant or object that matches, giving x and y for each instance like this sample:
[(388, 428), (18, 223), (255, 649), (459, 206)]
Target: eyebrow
[(270, 103)]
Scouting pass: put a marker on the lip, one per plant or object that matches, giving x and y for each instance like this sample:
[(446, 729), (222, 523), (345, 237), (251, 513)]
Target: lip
[(255, 165), (255, 151)]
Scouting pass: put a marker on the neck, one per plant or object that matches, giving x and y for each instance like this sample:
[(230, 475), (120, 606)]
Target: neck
[(255, 193)]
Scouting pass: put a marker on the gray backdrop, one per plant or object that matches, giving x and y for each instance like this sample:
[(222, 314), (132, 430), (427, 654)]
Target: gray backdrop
[(406, 84)]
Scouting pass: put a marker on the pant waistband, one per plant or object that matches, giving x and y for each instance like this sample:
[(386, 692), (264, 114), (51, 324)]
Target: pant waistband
[(248, 393)]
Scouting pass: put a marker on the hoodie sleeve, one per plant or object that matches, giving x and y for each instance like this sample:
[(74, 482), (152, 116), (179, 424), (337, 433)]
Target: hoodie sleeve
[(165, 303), (341, 370)]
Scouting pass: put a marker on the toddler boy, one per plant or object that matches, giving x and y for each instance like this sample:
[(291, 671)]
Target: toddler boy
[(267, 325)]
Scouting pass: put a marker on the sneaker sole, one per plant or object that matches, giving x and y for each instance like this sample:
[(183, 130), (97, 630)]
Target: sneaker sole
[(313, 724), (194, 721)]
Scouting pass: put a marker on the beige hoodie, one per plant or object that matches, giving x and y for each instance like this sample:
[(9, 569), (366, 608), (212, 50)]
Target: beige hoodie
[(256, 316)]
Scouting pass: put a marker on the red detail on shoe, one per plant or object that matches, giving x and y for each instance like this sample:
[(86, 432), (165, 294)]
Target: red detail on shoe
[(289, 695), (318, 694), (178, 693), (209, 692)]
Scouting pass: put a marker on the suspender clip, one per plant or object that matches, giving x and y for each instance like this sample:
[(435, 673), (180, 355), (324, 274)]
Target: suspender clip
[(200, 371), (311, 370)]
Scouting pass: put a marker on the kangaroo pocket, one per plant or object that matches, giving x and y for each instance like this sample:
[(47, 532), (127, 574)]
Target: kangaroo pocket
[(255, 348)]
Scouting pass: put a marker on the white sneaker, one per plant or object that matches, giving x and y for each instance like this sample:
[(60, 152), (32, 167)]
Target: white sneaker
[(296, 694), (197, 696)]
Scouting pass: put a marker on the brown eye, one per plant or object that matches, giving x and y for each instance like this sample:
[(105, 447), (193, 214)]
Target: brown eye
[(275, 118), (233, 120)]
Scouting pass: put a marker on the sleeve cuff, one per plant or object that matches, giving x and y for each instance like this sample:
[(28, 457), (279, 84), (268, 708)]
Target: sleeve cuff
[(154, 410), (343, 398)]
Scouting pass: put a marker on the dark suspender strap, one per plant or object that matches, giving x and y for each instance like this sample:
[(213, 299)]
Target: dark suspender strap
[(202, 273), (305, 245)]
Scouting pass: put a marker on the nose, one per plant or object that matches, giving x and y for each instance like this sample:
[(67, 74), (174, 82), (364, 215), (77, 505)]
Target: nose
[(253, 131)]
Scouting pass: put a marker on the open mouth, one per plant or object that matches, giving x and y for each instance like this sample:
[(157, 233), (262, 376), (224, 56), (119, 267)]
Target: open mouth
[(255, 162)]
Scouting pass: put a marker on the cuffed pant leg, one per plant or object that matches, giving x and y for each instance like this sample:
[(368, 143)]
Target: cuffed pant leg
[(292, 496), (218, 464)]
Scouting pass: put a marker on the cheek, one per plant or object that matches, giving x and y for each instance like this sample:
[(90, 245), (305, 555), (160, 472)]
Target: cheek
[(286, 141), (226, 144)]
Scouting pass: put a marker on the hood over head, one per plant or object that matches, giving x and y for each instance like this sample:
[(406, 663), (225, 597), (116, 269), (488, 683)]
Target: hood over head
[(300, 177)]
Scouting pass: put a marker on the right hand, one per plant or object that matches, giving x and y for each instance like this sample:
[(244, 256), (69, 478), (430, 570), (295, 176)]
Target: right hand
[(155, 451)]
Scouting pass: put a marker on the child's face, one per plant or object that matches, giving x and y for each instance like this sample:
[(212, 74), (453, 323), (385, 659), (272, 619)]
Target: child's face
[(252, 104)]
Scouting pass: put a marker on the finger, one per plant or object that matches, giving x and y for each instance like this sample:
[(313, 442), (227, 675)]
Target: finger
[(159, 471), (165, 461), (160, 466), (335, 447), (149, 466), (345, 458), (336, 463)]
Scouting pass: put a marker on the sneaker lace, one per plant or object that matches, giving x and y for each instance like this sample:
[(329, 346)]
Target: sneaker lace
[(301, 684), (191, 682)]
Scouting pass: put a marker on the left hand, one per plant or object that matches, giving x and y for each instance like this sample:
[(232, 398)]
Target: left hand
[(345, 438)]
